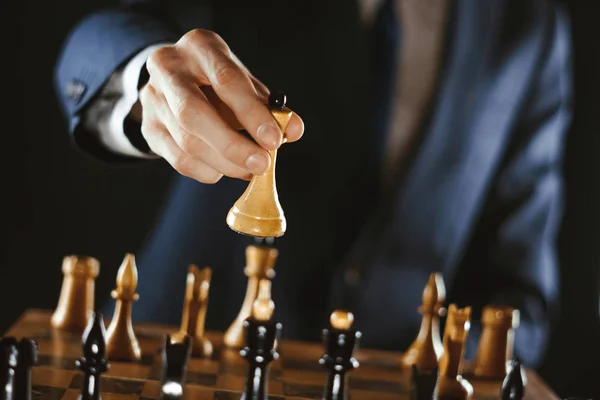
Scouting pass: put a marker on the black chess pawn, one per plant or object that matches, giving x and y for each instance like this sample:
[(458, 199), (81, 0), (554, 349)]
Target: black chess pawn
[(262, 336), (27, 358), (422, 384), (175, 357), (339, 342), (9, 361), (93, 363), (513, 387), (277, 100)]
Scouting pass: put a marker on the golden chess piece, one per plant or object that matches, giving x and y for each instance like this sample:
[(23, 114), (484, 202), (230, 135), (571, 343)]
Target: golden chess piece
[(263, 307), (194, 312), (260, 261), (495, 350), (427, 348), (258, 211), (451, 385), (76, 301), (341, 320), (121, 343)]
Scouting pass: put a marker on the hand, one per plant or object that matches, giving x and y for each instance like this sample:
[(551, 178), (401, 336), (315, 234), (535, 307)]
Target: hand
[(198, 95)]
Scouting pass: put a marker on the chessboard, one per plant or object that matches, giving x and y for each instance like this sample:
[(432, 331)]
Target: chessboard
[(296, 375)]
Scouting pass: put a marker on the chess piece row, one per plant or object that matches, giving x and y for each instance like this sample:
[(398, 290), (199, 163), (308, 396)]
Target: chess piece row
[(76, 301), (260, 348), (446, 381), (441, 358), (424, 385), (76, 305)]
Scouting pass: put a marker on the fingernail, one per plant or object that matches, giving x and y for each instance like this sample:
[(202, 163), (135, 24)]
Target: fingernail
[(257, 163), (269, 136)]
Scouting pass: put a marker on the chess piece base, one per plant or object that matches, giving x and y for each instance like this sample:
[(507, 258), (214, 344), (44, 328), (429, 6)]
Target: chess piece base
[(202, 347), (255, 226), (453, 389)]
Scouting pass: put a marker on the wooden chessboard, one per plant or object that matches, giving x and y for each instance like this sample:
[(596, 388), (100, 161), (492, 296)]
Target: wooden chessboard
[(296, 375)]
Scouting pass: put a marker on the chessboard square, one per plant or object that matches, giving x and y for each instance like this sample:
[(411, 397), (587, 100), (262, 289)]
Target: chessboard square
[(59, 348), (151, 389), (40, 392), (305, 391), (380, 360), (55, 362), (369, 395), (237, 383), (128, 370), (201, 379), (381, 374), (112, 385), (304, 377), (204, 365), (301, 351), (231, 382), (51, 377), (198, 393), (226, 395), (238, 369), (302, 364), (356, 383), (73, 394), (275, 388), (150, 343)]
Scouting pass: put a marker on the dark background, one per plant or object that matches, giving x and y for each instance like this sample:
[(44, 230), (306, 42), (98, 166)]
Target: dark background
[(58, 202)]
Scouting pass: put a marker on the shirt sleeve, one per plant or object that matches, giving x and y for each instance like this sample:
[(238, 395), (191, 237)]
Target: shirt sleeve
[(107, 114)]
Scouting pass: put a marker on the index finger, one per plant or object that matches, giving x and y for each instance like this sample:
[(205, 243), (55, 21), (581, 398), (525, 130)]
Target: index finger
[(235, 89), (295, 128)]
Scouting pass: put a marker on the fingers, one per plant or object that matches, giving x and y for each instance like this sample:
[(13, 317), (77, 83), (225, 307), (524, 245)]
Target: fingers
[(295, 128), (196, 116), (161, 142), (214, 63), (186, 142), (198, 97), (197, 148)]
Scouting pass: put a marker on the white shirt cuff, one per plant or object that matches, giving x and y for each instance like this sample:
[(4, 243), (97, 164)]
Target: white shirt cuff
[(110, 130)]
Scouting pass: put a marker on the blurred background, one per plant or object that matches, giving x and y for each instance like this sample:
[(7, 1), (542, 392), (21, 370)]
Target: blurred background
[(58, 201)]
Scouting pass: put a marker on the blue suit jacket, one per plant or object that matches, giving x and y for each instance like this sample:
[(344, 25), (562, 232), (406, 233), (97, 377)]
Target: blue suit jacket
[(479, 199)]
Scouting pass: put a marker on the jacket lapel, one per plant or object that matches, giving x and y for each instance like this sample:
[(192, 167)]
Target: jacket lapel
[(479, 95)]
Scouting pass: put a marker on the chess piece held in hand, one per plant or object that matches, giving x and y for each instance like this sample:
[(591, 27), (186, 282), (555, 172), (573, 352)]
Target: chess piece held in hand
[(194, 311), (76, 301), (122, 344), (260, 261), (427, 348), (339, 341), (258, 211), (495, 349), (93, 363), (450, 384), (262, 336), (175, 358)]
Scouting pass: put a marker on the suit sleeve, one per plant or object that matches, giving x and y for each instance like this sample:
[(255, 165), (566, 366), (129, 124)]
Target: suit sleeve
[(522, 222), (97, 47)]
